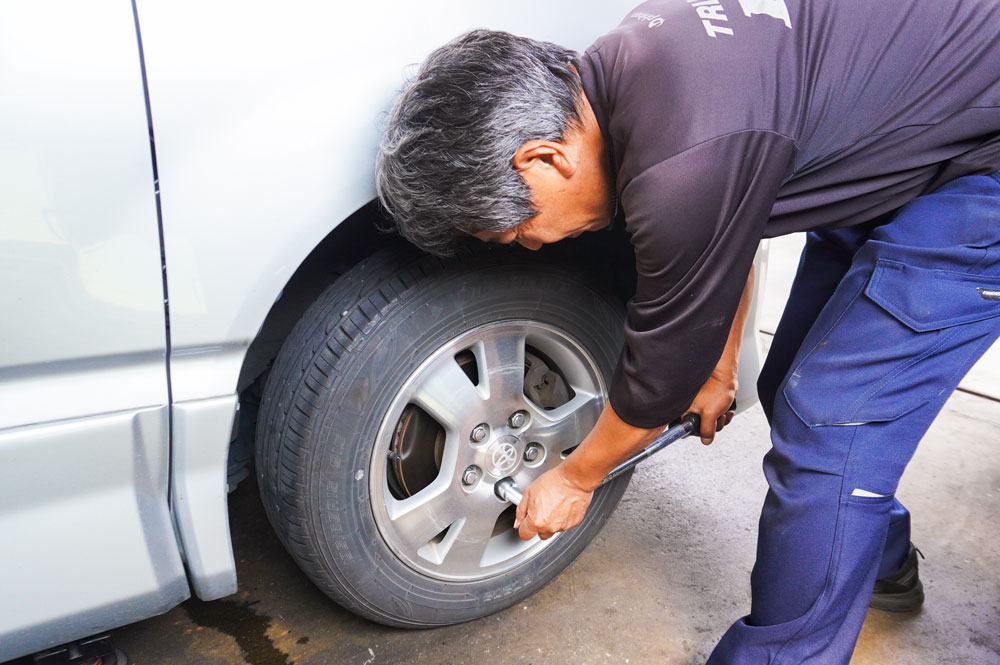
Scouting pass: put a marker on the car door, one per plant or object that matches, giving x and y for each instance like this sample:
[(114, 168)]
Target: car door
[(86, 540)]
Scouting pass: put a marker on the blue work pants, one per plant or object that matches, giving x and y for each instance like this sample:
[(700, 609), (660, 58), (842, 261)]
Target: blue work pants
[(881, 325)]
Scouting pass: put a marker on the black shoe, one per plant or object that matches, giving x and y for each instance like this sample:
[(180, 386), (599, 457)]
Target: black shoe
[(901, 591)]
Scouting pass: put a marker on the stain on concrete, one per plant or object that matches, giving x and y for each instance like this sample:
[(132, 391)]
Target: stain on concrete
[(992, 643), (244, 624)]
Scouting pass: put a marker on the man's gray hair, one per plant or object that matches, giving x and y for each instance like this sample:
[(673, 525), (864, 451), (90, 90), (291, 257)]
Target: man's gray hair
[(445, 165)]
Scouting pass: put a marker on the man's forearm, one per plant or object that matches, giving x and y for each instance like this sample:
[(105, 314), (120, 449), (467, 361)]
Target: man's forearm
[(731, 353), (613, 440), (610, 443)]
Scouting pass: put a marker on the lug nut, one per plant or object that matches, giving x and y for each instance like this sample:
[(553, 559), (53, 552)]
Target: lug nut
[(518, 419), (480, 432), (532, 452), (471, 476)]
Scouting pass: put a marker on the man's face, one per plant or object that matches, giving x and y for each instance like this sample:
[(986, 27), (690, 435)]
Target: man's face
[(571, 190), (570, 183), (552, 224)]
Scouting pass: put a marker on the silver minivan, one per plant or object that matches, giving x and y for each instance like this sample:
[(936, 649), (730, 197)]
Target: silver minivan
[(194, 287)]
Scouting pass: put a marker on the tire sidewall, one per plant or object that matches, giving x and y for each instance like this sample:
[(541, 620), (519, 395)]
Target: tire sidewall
[(398, 339)]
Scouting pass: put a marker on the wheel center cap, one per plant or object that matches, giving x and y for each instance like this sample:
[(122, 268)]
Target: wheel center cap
[(502, 456)]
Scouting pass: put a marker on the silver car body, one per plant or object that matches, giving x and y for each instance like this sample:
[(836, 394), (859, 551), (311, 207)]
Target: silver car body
[(114, 425)]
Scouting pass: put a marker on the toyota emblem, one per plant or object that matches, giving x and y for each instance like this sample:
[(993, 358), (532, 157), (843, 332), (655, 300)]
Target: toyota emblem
[(503, 457)]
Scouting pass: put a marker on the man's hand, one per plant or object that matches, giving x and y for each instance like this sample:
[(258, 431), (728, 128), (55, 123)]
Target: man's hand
[(715, 399), (552, 503)]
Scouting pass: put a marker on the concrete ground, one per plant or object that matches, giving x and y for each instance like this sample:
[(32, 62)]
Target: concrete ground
[(659, 585)]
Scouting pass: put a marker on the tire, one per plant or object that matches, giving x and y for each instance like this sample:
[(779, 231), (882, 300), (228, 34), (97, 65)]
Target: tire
[(373, 468)]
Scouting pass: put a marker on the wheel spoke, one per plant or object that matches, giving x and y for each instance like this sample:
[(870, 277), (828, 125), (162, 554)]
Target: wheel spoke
[(446, 393), (424, 515), (470, 544), (565, 427), (501, 364)]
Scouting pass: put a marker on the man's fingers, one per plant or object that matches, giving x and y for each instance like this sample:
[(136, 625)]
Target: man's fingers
[(550, 505), (711, 426), (520, 514), (527, 531), (525, 526), (708, 427)]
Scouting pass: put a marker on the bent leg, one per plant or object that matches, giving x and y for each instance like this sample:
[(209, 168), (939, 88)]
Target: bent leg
[(826, 258), (901, 329)]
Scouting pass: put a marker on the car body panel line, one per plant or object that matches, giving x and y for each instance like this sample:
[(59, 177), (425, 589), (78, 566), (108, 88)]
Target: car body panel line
[(159, 217), (198, 496)]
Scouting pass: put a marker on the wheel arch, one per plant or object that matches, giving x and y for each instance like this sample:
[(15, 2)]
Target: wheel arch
[(347, 243), (359, 235), (608, 254)]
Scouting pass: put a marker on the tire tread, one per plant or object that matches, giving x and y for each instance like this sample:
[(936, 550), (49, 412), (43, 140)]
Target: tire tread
[(309, 365)]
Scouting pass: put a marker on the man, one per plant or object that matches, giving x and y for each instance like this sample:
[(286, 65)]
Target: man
[(712, 124)]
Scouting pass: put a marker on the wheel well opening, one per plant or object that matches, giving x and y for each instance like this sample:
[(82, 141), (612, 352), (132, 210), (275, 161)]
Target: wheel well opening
[(350, 241), (606, 255)]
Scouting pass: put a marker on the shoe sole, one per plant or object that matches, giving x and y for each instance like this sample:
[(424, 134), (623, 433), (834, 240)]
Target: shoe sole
[(906, 601)]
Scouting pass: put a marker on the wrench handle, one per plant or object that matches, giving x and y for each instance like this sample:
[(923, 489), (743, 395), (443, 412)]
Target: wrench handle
[(689, 424), (507, 490)]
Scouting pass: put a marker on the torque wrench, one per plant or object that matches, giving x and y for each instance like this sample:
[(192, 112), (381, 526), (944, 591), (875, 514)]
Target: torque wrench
[(506, 489)]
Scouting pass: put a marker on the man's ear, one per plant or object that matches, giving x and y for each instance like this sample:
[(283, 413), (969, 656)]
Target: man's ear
[(545, 154)]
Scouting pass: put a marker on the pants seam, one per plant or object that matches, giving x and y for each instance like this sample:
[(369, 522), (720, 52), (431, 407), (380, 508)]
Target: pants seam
[(944, 339), (835, 552), (796, 366)]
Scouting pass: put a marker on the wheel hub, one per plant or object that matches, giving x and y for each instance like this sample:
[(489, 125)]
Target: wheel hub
[(502, 456), (506, 399)]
